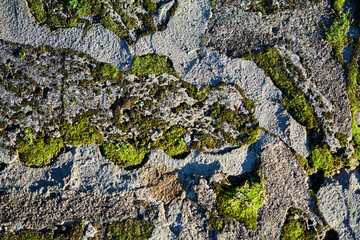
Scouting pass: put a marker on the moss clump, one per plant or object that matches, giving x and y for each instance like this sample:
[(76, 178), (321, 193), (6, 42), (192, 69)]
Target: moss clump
[(151, 64), (172, 142), (130, 229), (342, 139), (242, 202), (295, 227), (125, 155), (106, 71), (38, 152), (80, 133), (136, 18), (322, 159), (338, 4), (336, 33), (294, 99), (215, 221), (110, 24)]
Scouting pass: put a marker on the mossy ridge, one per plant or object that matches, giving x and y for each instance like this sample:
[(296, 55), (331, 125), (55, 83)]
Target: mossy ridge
[(353, 81), (111, 15), (242, 202), (36, 150), (294, 99), (82, 132), (72, 232), (151, 64), (296, 227), (336, 33), (128, 116), (130, 229)]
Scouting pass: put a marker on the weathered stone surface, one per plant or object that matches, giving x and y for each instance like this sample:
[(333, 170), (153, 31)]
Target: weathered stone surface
[(234, 32), (339, 203), (286, 185), (18, 26)]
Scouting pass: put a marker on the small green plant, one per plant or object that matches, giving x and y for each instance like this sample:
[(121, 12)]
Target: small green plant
[(338, 4), (130, 229), (74, 3), (242, 202), (123, 154), (151, 64)]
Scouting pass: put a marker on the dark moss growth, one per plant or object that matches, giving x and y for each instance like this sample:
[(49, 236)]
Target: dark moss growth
[(72, 232), (294, 99), (328, 115), (296, 227), (242, 202), (136, 18), (80, 133), (215, 221), (105, 71), (342, 139), (130, 229), (122, 154), (151, 64)]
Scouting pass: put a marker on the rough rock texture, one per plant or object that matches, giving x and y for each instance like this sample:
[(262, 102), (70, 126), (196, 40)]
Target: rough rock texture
[(339, 203), (204, 44), (286, 184), (18, 26), (235, 32)]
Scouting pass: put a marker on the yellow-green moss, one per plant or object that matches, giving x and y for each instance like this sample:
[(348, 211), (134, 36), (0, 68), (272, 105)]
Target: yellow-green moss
[(38, 152), (336, 33), (242, 202), (151, 64), (295, 227), (294, 99), (172, 142), (80, 133), (322, 159), (124, 155)]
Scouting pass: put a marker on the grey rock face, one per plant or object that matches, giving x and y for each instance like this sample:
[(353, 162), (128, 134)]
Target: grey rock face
[(234, 32), (339, 203), (18, 26)]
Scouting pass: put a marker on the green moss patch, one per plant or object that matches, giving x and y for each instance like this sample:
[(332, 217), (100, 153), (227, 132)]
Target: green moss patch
[(321, 159), (122, 19), (130, 229), (125, 155), (38, 152), (295, 227), (294, 99), (172, 141), (80, 133), (151, 64), (242, 202), (336, 33)]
